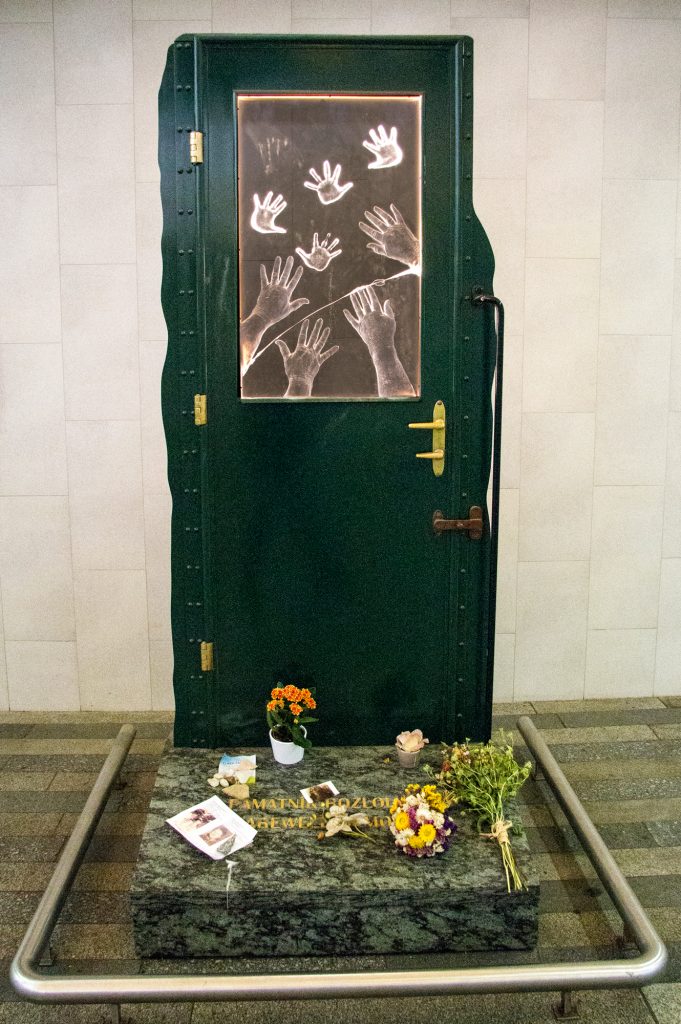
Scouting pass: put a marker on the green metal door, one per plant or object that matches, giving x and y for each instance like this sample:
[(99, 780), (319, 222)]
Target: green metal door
[(335, 171)]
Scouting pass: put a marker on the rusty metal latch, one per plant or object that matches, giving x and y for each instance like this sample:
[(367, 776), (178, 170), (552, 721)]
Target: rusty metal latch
[(473, 526)]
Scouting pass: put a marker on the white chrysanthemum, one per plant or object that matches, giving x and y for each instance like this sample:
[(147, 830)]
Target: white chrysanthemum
[(423, 812), (438, 819), (412, 800)]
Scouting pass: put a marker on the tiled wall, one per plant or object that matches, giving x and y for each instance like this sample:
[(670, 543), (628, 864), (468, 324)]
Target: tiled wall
[(577, 182)]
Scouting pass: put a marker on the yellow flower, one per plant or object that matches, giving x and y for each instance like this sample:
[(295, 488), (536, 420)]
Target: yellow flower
[(394, 805), (427, 833), (416, 842), (277, 692), (401, 821)]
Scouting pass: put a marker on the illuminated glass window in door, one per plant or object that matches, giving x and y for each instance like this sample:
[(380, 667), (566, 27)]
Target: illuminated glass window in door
[(329, 246)]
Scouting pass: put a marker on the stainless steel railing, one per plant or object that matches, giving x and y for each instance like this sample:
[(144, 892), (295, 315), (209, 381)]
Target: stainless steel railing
[(66, 988)]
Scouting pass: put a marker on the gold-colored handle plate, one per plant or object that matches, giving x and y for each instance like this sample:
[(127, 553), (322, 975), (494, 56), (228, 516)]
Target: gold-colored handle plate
[(437, 425)]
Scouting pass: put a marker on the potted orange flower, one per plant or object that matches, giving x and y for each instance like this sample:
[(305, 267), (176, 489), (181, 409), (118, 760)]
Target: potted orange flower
[(287, 716)]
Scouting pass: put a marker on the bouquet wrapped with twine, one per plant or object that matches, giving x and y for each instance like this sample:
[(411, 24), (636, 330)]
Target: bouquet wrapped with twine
[(483, 777)]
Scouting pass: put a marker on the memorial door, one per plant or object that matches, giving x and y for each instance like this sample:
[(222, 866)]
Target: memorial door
[(328, 386)]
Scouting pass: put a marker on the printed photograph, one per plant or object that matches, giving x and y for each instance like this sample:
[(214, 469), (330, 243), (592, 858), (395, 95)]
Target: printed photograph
[(319, 793)]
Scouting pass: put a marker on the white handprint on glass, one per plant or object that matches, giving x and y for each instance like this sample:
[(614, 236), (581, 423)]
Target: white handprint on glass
[(375, 323), (386, 150), (265, 213), (321, 253), (328, 187), (304, 363), (391, 236)]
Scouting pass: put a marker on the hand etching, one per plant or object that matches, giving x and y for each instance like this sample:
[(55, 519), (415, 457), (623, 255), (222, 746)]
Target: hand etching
[(265, 213), (274, 303), (327, 188), (321, 254), (386, 150), (391, 236), (304, 363), (376, 325)]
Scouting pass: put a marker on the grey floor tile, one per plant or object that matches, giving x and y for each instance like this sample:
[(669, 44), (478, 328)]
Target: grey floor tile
[(665, 1002), (621, 751), (665, 833), (533, 1008), (25, 849), (18, 907), (615, 716)]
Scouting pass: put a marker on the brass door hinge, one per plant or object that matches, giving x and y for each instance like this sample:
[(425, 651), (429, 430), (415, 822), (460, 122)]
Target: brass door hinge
[(196, 147), (206, 656), (200, 410), (473, 526)]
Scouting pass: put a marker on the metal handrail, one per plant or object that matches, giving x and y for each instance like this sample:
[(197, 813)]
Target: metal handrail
[(66, 988)]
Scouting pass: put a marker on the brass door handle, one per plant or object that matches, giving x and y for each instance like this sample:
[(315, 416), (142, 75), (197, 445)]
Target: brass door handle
[(437, 425)]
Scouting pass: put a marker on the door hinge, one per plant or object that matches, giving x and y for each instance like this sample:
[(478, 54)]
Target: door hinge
[(200, 410), (206, 656), (473, 526), (196, 147)]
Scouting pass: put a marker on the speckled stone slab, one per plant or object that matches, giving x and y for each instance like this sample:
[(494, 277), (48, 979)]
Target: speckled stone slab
[(292, 894)]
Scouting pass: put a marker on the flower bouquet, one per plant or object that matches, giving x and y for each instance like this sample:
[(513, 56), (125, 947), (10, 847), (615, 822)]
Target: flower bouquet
[(420, 821), (483, 776)]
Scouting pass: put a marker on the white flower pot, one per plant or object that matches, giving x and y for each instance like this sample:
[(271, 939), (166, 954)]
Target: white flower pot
[(408, 758), (287, 753)]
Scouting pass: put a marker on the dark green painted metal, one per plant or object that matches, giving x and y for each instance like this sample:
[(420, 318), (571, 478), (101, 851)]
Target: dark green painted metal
[(225, 496)]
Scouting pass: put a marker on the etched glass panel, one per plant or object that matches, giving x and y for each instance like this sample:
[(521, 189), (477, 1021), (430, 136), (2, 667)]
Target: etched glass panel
[(329, 246)]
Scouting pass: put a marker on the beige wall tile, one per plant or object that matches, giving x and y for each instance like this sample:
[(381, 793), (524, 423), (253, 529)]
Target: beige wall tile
[(504, 663), (625, 557), (551, 633), (93, 51), (161, 659), (643, 88), (490, 8), (675, 383), (245, 16), (165, 10), (94, 181), (567, 49), (507, 568), (500, 206), (631, 416), (42, 676), (35, 568), (27, 126), (101, 361), (644, 9), (4, 692), (25, 10), (556, 485), (154, 450), (113, 643), (332, 26), (668, 661), (499, 94), (429, 16), (620, 662), (564, 172), (29, 265), (151, 40), (152, 325), (561, 335), (511, 416), (157, 511), (671, 536), (637, 262), (564, 217), (105, 474), (32, 444), (342, 9)]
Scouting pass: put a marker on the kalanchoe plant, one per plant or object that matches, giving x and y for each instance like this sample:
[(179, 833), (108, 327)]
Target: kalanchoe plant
[(483, 776), (287, 713)]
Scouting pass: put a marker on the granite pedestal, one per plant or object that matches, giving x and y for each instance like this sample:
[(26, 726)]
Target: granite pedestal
[(292, 894)]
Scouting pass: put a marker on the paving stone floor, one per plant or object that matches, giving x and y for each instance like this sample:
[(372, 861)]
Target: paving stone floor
[(622, 756)]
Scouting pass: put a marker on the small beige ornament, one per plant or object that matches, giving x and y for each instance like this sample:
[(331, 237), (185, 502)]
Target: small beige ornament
[(238, 791)]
